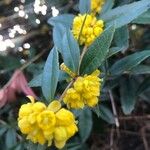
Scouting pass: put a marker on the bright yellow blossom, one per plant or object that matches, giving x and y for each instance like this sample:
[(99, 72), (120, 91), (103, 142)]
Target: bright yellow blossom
[(96, 5), (46, 124), (86, 28), (85, 91)]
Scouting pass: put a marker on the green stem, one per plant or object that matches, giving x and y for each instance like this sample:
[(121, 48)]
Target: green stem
[(81, 57)]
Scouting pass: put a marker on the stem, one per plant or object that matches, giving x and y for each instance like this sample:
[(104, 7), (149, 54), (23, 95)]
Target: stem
[(82, 28), (63, 94), (32, 60), (81, 57), (25, 66), (114, 108), (135, 117)]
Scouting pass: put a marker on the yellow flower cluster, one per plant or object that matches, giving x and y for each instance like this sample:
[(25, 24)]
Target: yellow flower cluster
[(85, 91), (86, 28), (96, 5), (44, 124)]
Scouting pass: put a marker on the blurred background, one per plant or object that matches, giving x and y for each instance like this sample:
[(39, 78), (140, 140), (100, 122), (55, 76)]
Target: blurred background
[(25, 41)]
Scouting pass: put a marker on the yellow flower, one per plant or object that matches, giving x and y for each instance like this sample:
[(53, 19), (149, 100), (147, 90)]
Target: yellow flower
[(46, 120), (36, 136), (45, 124), (54, 106), (64, 117), (85, 91), (24, 125), (96, 5), (65, 127), (72, 99), (86, 28)]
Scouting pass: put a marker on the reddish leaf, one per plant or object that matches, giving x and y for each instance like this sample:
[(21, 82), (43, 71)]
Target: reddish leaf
[(16, 84)]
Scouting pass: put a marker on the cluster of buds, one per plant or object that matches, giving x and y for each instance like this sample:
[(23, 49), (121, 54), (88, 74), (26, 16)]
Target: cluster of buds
[(86, 28), (96, 5), (85, 91)]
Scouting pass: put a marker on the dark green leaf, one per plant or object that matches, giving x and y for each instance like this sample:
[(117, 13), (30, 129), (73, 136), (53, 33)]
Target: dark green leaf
[(65, 19), (10, 138), (114, 50), (106, 114), (140, 69), (144, 86), (2, 130), (41, 147), (97, 52), (143, 19), (84, 6), (85, 124), (73, 146), (127, 95), (18, 147), (128, 62), (121, 38), (125, 14), (70, 51), (50, 75)]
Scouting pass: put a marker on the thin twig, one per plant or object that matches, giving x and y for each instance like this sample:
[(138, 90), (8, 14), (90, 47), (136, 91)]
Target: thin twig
[(33, 59), (2, 122), (114, 108), (111, 138), (81, 57), (63, 94), (129, 132), (26, 65), (82, 28), (144, 137), (135, 117)]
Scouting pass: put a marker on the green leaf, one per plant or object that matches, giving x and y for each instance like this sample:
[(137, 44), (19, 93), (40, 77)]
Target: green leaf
[(70, 51), (58, 32), (85, 124), (9, 62), (63, 76), (3, 129), (10, 138), (74, 146), (106, 114), (128, 89), (143, 19), (128, 62), (113, 51), (140, 69), (144, 86), (125, 14), (36, 81), (97, 52), (41, 147), (50, 75), (84, 6), (121, 38), (65, 19), (18, 147)]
